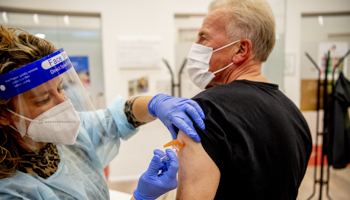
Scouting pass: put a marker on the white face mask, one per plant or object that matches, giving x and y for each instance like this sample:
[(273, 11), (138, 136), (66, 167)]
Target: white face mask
[(198, 64), (59, 124)]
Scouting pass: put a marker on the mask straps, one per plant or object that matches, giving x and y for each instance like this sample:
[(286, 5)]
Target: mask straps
[(26, 118), (226, 46), (223, 68), (22, 134), (223, 48)]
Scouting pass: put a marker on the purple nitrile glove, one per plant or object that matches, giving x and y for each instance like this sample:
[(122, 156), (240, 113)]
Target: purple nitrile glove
[(152, 185), (172, 111)]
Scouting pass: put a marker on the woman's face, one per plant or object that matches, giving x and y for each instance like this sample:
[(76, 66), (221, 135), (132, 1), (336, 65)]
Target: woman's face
[(40, 99), (36, 101)]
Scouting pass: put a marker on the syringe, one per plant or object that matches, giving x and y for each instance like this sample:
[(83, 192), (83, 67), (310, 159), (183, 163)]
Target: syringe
[(174, 145)]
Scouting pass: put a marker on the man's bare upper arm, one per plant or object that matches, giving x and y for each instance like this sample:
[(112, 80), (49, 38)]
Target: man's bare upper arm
[(198, 174)]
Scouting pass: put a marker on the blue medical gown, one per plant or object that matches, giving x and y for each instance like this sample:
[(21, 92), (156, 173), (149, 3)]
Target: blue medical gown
[(80, 172)]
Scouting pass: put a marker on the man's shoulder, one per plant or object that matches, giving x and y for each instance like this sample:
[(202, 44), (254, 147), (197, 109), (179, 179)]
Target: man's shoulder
[(219, 97), (236, 90), (210, 95)]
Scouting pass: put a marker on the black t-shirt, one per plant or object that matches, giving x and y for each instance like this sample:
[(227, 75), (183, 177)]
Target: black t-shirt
[(257, 137)]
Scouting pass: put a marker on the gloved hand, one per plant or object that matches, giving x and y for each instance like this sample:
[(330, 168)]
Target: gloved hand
[(151, 185), (172, 112)]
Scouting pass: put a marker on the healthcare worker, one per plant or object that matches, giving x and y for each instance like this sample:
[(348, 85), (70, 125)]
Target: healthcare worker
[(50, 149)]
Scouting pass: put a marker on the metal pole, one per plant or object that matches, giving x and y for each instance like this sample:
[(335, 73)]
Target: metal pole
[(317, 122), (172, 76), (182, 67), (325, 116)]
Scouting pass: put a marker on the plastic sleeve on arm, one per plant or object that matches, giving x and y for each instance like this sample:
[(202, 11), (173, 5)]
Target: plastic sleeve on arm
[(106, 131)]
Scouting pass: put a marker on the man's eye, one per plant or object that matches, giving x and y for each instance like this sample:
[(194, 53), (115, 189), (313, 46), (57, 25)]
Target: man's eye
[(203, 39)]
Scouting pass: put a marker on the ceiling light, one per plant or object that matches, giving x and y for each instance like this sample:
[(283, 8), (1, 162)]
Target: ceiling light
[(66, 20), (4, 17), (36, 18), (320, 20)]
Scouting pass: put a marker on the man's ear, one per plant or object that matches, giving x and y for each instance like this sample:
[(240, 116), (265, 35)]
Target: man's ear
[(4, 117), (243, 52)]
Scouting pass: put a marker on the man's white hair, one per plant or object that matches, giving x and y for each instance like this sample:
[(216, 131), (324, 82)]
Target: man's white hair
[(252, 19)]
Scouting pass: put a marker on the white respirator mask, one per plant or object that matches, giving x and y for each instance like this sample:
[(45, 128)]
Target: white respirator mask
[(59, 124), (198, 64)]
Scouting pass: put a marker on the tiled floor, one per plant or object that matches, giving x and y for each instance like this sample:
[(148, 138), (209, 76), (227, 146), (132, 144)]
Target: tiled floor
[(339, 188)]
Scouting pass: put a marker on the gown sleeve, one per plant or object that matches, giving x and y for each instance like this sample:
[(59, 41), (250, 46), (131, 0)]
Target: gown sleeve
[(106, 128)]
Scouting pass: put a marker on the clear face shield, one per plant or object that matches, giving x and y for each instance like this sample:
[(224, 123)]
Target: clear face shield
[(46, 99)]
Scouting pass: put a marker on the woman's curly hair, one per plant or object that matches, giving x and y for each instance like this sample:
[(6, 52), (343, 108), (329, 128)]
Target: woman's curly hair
[(17, 48)]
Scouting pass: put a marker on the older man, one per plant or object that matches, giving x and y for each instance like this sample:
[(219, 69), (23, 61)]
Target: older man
[(256, 144)]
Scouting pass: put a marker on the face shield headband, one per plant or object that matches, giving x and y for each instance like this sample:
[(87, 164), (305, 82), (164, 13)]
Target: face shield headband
[(34, 74)]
